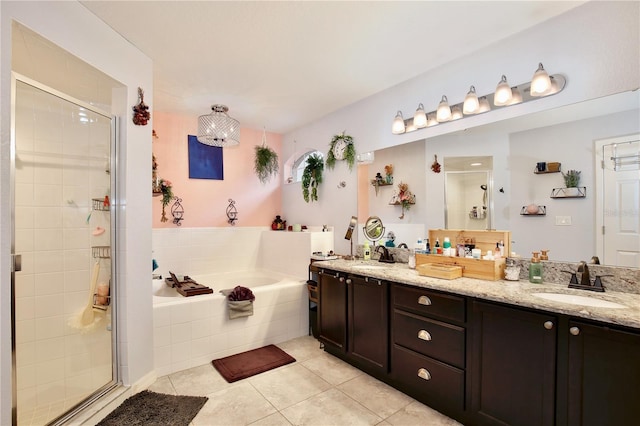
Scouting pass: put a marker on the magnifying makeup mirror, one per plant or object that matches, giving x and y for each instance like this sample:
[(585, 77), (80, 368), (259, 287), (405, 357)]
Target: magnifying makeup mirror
[(349, 235)]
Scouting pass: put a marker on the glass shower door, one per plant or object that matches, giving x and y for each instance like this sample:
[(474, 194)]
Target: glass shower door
[(62, 322)]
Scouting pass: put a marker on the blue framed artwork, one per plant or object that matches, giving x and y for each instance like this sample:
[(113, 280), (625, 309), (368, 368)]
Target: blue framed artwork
[(205, 161)]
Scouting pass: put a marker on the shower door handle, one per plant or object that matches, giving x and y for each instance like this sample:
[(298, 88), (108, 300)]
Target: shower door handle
[(17, 262)]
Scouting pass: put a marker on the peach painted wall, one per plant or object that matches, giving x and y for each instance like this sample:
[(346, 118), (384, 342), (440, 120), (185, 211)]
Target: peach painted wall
[(204, 200)]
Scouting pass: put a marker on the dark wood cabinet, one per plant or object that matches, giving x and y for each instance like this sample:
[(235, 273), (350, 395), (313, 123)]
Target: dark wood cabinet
[(428, 351), (513, 366), (603, 376), (368, 322), (332, 309)]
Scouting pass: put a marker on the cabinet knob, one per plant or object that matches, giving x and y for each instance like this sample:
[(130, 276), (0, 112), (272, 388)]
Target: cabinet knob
[(424, 374), (424, 335), (349, 281), (574, 331), (341, 279), (548, 325), (424, 300)]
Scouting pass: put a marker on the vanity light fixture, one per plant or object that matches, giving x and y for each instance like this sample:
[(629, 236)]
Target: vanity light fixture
[(541, 85), (541, 82), (444, 111), (398, 124), (503, 93), (420, 117), (217, 128), (471, 103)]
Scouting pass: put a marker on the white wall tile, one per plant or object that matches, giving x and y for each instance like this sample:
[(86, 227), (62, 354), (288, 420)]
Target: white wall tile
[(49, 305), (49, 327), (24, 285)]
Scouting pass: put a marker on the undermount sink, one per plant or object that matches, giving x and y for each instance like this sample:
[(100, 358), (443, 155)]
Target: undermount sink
[(369, 267), (573, 299)]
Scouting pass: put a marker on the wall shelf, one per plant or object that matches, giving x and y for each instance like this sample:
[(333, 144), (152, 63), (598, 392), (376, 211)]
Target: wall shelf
[(101, 252), (100, 204), (542, 211), (579, 192), (545, 172)]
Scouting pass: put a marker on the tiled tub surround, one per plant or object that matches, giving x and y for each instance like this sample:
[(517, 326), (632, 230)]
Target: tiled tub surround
[(518, 293), (191, 331)]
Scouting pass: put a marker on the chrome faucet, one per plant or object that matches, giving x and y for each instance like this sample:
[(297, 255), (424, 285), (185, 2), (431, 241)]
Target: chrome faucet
[(385, 256)]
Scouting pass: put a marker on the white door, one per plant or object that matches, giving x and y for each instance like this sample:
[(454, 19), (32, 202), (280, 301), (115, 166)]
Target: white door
[(618, 205)]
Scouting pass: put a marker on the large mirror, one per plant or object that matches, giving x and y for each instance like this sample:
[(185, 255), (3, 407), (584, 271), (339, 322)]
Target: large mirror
[(572, 136)]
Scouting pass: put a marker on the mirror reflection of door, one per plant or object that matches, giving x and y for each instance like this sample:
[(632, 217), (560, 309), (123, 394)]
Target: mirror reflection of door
[(468, 184), (618, 198)]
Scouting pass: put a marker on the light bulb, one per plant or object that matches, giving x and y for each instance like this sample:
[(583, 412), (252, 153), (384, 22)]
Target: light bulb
[(540, 83), (398, 124), (444, 111), (471, 103), (503, 93), (420, 117), (516, 96)]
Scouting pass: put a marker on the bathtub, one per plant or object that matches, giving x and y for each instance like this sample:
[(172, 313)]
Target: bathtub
[(192, 331)]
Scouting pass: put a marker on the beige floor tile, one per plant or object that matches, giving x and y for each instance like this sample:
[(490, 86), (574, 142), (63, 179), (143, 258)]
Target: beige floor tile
[(163, 385), (302, 348), (276, 419), (288, 385), (419, 414), (332, 369), (330, 408), (198, 381), (377, 396), (238, 404)]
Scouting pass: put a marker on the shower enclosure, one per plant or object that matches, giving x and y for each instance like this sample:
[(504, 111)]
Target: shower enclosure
[(63, 286)]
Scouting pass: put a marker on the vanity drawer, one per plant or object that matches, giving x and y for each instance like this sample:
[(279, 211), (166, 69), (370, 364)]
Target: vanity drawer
[(429, 381), (429, 337), (429, 303)]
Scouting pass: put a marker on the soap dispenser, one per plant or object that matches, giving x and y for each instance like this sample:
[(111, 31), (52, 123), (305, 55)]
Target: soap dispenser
[(367, 251), (535, 269)]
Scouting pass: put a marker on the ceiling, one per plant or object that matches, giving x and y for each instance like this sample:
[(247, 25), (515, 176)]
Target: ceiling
[(281, 65)]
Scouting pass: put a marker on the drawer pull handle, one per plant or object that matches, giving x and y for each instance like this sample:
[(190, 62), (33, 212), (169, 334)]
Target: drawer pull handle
[(424, 300), (424, 374), (424, 335)]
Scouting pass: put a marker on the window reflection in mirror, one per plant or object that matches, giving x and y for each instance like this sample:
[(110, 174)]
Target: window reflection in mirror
[(468, 183)]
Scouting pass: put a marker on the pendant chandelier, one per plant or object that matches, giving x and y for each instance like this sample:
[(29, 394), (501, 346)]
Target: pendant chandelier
[(218, 129)]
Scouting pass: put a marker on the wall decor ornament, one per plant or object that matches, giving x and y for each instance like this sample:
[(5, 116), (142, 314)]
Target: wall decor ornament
[(341, 148), (403, 197), (312, 177), (205, 161), (141, 114), (167, 195)]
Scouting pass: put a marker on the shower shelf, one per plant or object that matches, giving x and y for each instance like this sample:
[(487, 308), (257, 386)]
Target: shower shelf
[(101, 252), (99, 204)]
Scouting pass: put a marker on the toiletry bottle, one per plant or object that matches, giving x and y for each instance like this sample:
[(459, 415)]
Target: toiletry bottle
[(497, 251), (367, 251), (446, 246), (428, 247), (418, 247), (412, 259), (535, 269), (501, 245), (438, 249)]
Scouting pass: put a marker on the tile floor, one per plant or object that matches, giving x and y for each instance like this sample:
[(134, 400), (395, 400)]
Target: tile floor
[(318, 389)]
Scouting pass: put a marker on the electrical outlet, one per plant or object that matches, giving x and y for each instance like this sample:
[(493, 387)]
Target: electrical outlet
[(563, 220)]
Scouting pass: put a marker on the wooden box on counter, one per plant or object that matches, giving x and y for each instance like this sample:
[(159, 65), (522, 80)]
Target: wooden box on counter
[(490, 270)]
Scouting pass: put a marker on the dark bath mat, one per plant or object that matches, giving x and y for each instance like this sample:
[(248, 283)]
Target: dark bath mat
[(250, 363), (155, 409)]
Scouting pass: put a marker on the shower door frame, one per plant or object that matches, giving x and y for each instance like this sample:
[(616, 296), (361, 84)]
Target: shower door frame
[(15, 261)]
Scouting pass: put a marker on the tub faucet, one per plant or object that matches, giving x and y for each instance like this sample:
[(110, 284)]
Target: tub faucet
[(385, 256)]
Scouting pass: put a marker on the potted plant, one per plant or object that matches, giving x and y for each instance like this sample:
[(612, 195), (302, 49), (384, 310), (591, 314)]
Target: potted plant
[(571, 178), (312, 177), (167, 196), (341, 148), (266, 163)]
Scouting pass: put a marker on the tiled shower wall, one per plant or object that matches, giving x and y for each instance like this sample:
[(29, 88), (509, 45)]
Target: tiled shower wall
[(62, 162)]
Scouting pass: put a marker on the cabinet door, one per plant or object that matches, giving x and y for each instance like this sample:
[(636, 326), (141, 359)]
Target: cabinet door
[(604, 376), (369, 321), (332, 309), (513, 366)]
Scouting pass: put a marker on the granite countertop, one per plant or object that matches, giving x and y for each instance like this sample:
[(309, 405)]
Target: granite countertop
[(518, 293)]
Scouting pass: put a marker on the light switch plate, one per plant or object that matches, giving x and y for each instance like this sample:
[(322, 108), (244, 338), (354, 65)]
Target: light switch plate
[(563, 220)]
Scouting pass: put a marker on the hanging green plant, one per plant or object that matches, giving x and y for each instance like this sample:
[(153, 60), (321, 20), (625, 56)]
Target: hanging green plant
[(341, 148), (266, 161), (312, 177)]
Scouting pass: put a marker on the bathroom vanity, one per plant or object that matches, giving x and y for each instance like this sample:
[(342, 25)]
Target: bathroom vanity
[(485, 352)]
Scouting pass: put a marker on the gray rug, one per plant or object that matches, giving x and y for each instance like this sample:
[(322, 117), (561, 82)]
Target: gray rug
[(155, 409)]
